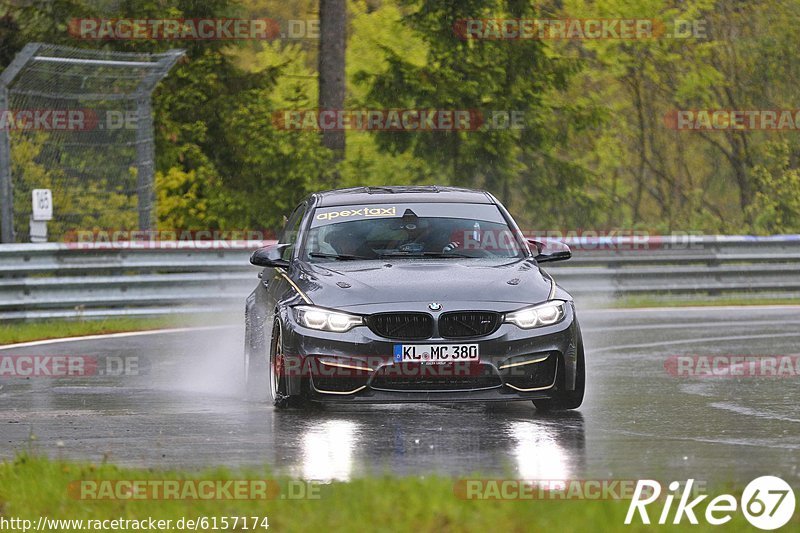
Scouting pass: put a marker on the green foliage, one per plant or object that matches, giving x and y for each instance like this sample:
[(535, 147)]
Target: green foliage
[(378, 31), (522, 166), (100, 205), (776, 205), (190, 199), (219, 161), (664, 179), (595, 150)]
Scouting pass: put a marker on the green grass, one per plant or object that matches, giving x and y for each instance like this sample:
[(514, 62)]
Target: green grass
[(33, 486), (665, 301), (12, 332)]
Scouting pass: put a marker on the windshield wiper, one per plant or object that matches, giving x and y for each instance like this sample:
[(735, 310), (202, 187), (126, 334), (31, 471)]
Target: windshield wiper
[(340, 257), (426, 254)]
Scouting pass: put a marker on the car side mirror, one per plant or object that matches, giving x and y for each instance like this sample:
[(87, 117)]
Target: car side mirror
[(550, 250), (270, 256)]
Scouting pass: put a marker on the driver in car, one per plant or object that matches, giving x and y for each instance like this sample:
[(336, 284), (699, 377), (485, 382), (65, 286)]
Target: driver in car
[(345, 240), (414, 233)]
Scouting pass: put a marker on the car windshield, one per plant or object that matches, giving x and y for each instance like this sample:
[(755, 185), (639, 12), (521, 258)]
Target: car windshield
[(418, 230)]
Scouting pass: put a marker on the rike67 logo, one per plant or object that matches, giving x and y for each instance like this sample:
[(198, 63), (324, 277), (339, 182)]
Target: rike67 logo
[(767, 502)]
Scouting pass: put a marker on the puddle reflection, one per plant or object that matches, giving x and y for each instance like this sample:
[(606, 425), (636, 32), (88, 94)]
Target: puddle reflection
[(513, 441), (327, 450)]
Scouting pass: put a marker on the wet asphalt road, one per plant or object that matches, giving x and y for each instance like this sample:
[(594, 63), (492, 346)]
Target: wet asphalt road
[(185, 408)]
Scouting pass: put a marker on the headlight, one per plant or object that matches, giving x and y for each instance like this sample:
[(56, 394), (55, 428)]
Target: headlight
[(545, 314), (325, 319)]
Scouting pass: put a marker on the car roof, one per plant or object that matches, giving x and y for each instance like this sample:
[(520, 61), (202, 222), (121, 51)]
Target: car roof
[(401, 194)]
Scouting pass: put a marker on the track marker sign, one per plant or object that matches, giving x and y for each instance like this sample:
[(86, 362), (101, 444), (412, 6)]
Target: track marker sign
[(42, 203), (41, 212)]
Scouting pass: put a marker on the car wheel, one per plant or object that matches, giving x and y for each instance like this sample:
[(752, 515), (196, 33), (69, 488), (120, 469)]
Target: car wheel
[(276, 372), (255, 364), (568, 399)]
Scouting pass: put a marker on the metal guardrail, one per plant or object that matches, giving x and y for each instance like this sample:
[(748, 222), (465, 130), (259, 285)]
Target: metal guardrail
[(60, 280)]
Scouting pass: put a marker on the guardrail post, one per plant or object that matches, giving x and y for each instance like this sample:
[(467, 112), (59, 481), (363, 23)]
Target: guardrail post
[(145, 139), (144, 163), (6, 187)]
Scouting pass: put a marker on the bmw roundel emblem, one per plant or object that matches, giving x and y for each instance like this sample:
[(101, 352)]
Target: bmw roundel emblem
[(433, 306)]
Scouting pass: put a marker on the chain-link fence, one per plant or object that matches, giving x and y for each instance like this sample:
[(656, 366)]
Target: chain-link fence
[(78, 122)]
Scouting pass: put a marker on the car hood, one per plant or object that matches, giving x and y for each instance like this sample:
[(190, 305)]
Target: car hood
[(347, 284)]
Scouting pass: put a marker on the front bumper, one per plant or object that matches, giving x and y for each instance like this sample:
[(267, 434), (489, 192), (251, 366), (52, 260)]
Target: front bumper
[(358, 366)]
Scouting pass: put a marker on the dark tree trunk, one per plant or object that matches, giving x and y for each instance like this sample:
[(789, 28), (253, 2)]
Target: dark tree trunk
[(332, 37)]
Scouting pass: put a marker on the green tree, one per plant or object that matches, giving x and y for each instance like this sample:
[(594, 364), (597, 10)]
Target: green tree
[(522, 166)]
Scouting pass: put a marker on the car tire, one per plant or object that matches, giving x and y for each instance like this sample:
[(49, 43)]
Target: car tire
[(568, 399), (276, 374), (255, 363)]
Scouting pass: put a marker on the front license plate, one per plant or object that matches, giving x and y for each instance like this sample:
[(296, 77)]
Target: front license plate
[(435, 353)]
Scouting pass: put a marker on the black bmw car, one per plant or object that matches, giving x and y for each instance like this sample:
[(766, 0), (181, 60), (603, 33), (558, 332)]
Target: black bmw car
[(410, 294)]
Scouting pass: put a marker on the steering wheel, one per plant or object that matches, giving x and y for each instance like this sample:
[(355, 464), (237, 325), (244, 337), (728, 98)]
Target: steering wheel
[(457, 246)]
